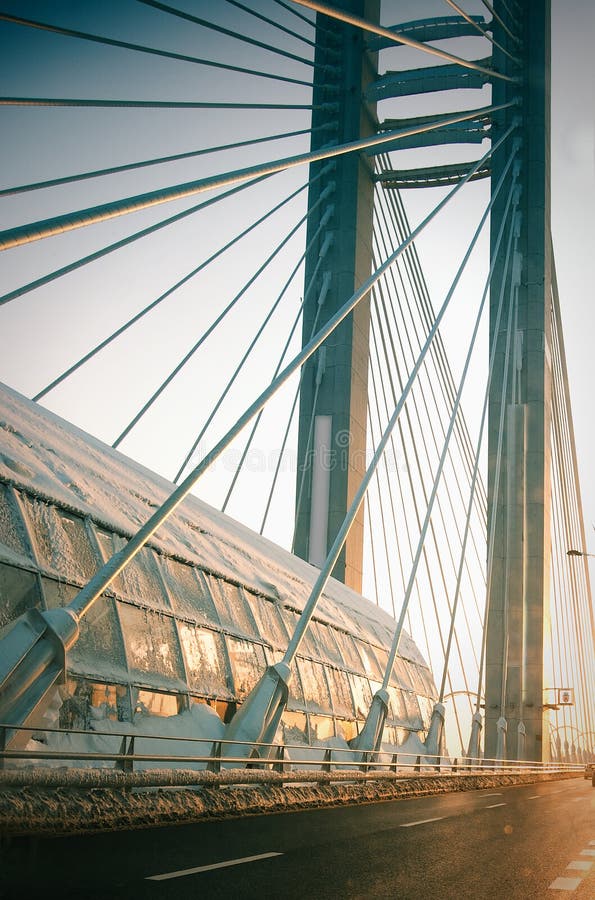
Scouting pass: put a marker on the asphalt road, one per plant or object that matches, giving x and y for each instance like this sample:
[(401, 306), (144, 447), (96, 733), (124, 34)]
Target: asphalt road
[(530, 841)]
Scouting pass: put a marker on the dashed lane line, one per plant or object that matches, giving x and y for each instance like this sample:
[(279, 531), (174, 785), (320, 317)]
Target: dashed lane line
[(421, 822), (565, 884), (220, 865), (494, 805)]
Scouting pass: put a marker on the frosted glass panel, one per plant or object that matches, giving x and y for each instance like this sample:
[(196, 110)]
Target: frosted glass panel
[(98, 649), (425, 708), (204, 654), (61, 541), (19, 591), (397, 705), (402, 674), (413, 713), (341, 699), (316, 692), (247, 664), (188, 591), (349, 655), (12, 530), (362, 695), (139, 580), (151, 644), (309, 646), (233, 609), (269, 621), (324, 636), (369, 662)]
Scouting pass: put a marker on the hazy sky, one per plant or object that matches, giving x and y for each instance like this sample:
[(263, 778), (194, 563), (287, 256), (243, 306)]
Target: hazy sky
[(48, 329)]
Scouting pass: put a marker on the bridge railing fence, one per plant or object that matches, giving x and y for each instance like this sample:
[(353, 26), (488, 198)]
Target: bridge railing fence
[(204, 760)]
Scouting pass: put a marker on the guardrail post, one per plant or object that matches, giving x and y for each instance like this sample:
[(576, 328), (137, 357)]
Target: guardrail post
[(455, 765), (279, 764), (3, 741), (126, 765), (214, 763), (417, 766), (393, 765), (328, 758)]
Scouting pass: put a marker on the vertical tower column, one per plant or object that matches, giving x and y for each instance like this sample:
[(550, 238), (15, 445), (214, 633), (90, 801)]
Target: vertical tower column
[(518, 616), (333, 402)]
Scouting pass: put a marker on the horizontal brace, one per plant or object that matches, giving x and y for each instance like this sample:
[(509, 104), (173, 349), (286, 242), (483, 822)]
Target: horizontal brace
[(433, 139), (431, 176), (427, 80), (438, 28)]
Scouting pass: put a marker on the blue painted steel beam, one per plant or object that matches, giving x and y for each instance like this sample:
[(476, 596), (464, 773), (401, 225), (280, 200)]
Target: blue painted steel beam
[(438, 28), (427, 81)]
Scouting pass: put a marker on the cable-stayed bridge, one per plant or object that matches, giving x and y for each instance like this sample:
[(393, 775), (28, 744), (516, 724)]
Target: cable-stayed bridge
[(273, 250)]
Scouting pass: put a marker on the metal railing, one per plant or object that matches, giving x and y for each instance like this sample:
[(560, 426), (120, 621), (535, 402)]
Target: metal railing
[(214, 761)]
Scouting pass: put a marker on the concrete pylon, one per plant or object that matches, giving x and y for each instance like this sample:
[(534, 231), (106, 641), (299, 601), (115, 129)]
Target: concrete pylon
[(333, 397), (517, 627)]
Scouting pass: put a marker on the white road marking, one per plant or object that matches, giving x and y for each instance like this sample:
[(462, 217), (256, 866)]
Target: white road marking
[(565, 884), (491, 795), (536, 797), (578, 799), (580, 864), (591, 843), (420, 822), (220, 865), (494, 805), (588, 852)]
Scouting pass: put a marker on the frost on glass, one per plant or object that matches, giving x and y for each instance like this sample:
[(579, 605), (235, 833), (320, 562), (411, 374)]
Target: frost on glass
[(324, 636), (369, 663), (413, 713), (416, 679), (349, 655), (397, 705), (61, 540), (341, 699), (19, 591), (425, 709), (296, 692), (268, 620), (309, 646), (188, 591), (151, 645), (12, 530), (247, 664), (139, 580), (98, 649), (362, 694), (401, 674), (232, 606), (206, 666), (316, 692)]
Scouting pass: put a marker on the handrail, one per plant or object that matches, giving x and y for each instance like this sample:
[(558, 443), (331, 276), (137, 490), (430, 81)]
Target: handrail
[(343, 760)]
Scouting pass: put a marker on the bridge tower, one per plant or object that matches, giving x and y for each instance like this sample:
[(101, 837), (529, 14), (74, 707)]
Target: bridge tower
[(520, 495), (333, 402)]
